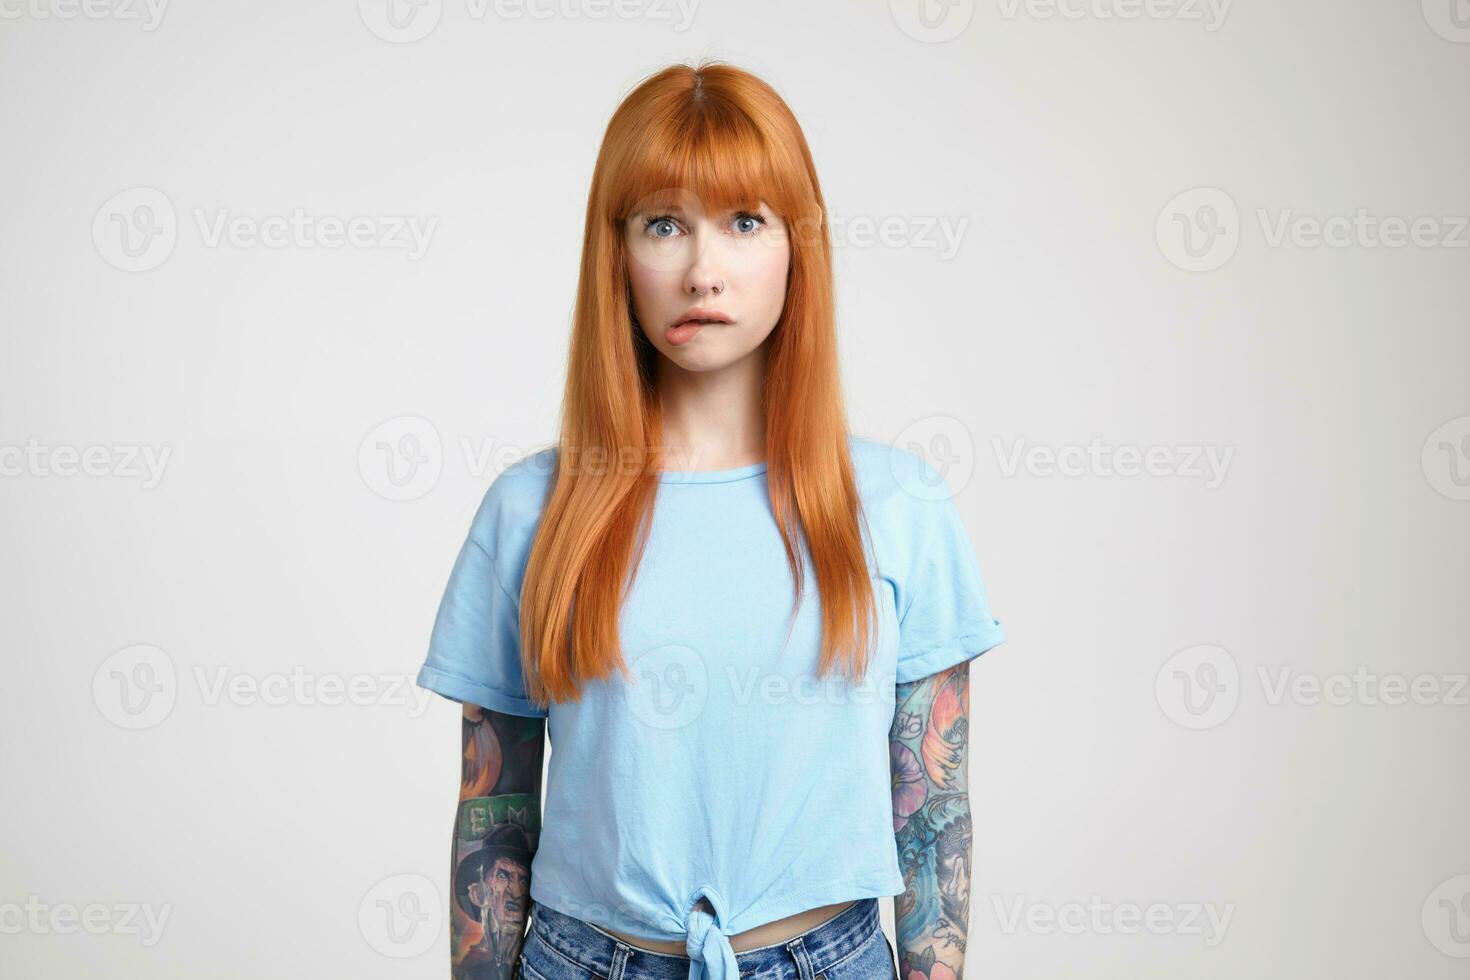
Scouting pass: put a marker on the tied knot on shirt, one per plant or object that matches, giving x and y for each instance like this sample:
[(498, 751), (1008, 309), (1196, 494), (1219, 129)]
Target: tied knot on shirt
[(710, 953)]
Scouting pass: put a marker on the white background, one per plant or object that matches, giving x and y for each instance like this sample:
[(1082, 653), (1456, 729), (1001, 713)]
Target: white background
[(1332, 378)]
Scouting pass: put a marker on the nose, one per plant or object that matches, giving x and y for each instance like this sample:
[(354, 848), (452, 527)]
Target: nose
[(704, 274), (700, 282)]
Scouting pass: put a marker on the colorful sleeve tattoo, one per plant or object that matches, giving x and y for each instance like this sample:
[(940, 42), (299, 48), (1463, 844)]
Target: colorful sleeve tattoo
[(928, 750), (496, 830)]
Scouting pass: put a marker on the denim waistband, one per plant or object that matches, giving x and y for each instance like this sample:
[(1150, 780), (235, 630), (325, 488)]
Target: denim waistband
[(822, 946)]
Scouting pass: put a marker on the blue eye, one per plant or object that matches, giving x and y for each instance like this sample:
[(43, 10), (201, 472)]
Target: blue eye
[(659, 220), (665, 226), (747, 216)]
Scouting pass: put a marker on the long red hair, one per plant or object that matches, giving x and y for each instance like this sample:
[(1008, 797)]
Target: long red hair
[(725, 136)]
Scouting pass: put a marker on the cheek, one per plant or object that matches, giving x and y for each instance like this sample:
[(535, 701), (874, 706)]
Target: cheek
[(650, 285), (763, 270), (639, 282)]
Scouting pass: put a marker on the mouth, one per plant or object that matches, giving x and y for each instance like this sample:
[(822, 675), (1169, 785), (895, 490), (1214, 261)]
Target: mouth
[(692, 323), (702, 316)]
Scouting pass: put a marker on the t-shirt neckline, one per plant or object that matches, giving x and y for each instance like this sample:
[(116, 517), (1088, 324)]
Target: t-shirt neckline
[(713, 476)]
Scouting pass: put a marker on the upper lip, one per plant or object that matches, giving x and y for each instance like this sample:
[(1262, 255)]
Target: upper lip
[(703, 313)]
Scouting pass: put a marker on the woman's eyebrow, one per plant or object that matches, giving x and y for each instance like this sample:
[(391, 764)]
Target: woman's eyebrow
[(679, 210)]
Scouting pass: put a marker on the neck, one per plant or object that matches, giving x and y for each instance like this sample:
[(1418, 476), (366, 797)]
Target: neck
[(713, 419)]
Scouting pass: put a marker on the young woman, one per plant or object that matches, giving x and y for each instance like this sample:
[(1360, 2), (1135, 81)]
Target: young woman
[(746, 630)]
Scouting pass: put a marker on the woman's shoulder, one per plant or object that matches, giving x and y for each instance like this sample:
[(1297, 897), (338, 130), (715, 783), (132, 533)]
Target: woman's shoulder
[(529, 474), (907, 501), (892, 475), (512, 504)]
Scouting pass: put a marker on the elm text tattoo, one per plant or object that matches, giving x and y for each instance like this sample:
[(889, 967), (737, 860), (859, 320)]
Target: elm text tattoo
[(496, 830)]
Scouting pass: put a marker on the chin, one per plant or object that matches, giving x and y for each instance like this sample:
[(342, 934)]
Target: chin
[(694, 360)]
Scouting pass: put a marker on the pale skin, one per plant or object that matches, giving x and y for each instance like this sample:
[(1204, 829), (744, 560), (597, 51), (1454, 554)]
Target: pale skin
[(735, 262)]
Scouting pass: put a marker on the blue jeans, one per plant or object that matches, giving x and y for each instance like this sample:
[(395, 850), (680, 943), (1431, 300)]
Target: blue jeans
[(849, 946)]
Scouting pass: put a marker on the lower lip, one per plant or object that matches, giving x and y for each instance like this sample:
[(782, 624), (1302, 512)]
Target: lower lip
[(684, 332)]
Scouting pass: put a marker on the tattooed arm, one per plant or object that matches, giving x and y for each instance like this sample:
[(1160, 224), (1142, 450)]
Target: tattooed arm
[(928, 750), (496, 830)]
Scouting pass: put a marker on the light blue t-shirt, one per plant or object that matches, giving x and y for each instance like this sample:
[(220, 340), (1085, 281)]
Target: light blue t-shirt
[(726, 769)]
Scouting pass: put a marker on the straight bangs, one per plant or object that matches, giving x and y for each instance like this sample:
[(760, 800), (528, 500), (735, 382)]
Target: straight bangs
[(717, 158)]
